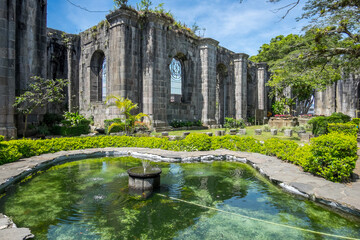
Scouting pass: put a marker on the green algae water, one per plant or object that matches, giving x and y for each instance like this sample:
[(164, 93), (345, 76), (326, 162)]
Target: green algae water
[(89, 199)]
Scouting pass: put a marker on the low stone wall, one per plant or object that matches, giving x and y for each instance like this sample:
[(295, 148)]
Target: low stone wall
[(283, 122), (303, 121)]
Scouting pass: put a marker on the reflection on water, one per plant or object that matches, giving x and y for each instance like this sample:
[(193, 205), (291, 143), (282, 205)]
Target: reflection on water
[(90, 199)]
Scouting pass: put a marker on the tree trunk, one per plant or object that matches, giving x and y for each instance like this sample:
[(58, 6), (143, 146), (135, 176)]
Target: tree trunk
[(25, 127)]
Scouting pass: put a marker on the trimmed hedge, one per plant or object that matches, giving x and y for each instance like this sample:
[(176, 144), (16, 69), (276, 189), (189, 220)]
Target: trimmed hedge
[(346, 128), (332, 156), (319, 124)]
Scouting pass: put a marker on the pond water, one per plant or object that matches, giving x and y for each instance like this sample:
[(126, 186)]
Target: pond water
[(89, 199)]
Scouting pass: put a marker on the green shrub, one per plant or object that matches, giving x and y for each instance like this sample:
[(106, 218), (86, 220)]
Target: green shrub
[(346, 128), (50, 119), (236, 143), (181, 123), (74, 130), (301, 156), (108, 122), (2, 138), (233, 123), (196, 142), (266, 128), (333, 156), (356, 121), (283, 149), (116, 127), (319, 124), (339, 118), (75, 118)]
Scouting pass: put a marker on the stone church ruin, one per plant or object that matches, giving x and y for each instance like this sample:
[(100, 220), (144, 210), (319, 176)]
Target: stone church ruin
[(171, 73)]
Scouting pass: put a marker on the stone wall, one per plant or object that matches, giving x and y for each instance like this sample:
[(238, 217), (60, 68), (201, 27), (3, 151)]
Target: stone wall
[(134, 51), (7, 67), (342, 96), (139, 50)]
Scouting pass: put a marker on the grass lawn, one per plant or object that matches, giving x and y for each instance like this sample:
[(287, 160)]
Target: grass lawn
[(250, 131)]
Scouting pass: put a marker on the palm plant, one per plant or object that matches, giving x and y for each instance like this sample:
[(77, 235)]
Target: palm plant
[(126, 106)]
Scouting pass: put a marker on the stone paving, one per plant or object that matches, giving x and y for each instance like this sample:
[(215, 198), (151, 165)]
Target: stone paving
[(291, 178)]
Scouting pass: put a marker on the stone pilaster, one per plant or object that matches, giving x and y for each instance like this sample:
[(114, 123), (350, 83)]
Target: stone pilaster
[(73, 55), (240, 77), (262, 79), (7, 68), (118, 61), (156, 64), (208, 51)]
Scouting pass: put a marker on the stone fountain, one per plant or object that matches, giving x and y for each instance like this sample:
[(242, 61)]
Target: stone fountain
[(144, 179)]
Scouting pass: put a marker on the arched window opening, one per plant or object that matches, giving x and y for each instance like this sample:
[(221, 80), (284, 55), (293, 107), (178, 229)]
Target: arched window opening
[(98, 77), (104, 79), (176, 80)]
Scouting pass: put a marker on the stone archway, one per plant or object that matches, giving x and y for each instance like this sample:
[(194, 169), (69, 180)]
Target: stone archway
[(98, 76)]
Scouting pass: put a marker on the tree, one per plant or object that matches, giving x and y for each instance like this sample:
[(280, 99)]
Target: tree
[(120, 3), (39, 92), (126, 106)]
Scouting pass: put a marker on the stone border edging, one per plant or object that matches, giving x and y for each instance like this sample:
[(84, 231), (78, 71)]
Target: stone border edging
[(345, 197)]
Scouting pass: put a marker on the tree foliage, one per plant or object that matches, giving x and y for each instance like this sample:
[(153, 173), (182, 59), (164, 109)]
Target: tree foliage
[(329, 47), (39, 92)]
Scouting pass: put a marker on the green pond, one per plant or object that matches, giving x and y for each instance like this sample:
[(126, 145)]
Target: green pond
[(89, 199)]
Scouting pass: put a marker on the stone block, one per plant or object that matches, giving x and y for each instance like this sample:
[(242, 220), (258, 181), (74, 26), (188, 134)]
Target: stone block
[(300, 132), (258, 131), (165, 134), (233, 131), (219, 133), (288, 132), (274, 131), (305, 137), (242, 132), (185, 134), (210, 134)]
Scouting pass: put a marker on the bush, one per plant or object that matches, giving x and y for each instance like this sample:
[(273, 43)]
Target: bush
[(266, 128), (355, 121), (108, 122), (333, 156), (283, 149), (319, 124), (50, 119), (237, 143), (233, 123), (116, 127), (75, 130), (181, 123), (196, 142), (2, 138), (346, 128)]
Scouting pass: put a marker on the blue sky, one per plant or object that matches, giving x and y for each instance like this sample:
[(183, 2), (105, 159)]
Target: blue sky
[(239, 27)]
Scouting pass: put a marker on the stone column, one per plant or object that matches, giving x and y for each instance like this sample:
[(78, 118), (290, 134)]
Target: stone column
[(156, 70), (73, 75), (148, 70), (118, 61), (208, 51), (240, 78), (262, 79), (7, 68)]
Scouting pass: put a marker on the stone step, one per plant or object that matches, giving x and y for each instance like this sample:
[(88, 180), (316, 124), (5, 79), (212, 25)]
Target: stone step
[(15, 234)]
